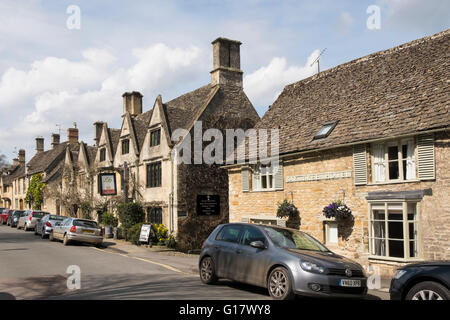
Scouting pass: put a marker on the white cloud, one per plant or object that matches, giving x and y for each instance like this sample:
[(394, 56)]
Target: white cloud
[(60, 91), (344, 23), (265, 84)]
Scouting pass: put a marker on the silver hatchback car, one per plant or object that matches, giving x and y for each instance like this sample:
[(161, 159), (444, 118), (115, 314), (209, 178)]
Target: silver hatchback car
[(285, 261), (79, 230), (46, 224), (29, 220)]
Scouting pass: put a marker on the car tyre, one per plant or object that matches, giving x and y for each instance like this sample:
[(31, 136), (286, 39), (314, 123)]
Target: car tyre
[(66, 240), (279, 284), (51, 237), (428, 290), (208, 271), (25, 228), (43, 236)]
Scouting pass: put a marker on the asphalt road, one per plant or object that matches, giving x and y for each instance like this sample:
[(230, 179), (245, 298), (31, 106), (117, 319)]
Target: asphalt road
[(32, 268)]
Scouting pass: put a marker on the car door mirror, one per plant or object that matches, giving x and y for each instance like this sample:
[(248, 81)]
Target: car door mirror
[(258, 244)]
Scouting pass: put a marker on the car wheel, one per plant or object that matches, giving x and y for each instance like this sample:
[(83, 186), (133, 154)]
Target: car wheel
[(35, 231), (279, 284), (25, 228), (207, 271), (428, 290), (66, 240), (43, 234), (51, 237)]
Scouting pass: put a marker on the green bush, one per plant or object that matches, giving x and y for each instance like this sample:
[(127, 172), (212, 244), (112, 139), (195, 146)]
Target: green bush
[(170, 242), (134, 233), (130, 214), (109, 220)]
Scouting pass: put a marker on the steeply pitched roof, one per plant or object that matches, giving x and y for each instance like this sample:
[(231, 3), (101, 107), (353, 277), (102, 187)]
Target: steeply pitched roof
[(182, 111), (15, 171), (114, 136), (390, 93)]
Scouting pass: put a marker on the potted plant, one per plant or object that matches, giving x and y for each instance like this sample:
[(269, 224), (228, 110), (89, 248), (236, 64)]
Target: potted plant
[(288, 209), (109, 221), (337, 210)]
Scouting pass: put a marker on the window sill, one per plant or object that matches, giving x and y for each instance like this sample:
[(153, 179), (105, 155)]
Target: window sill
[(393, 260), (392, 182), (264, 190)]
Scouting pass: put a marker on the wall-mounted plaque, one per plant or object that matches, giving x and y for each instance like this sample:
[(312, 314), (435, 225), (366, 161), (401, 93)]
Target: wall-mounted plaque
[(208, 205)]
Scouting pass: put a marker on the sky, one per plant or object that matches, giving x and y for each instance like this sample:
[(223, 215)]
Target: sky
[(53, 73)]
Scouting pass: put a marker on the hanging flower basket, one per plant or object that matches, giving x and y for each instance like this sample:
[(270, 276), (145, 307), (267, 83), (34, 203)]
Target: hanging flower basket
[(289, 210), (337, 210)]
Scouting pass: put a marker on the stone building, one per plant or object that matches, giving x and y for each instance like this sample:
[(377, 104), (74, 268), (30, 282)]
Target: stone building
[(13, 184), (139, 155), (373, 133)]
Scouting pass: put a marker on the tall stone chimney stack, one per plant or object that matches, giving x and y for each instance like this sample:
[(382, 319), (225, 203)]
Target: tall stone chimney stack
[(132, 103), (55, 140), (22, 156), (98, 126), (226, 63), (39, 144), (72, 135)]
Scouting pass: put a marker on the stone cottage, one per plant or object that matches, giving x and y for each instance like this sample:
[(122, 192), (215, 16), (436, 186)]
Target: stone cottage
[(373, 133), (138, 161)]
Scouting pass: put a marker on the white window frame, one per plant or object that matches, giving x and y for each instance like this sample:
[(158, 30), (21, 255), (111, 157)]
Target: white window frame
[(328, 224), (399, 143), (259, 171), (405, 223)]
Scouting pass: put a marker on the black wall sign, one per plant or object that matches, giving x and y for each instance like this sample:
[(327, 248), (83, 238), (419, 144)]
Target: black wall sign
[(208, 205)]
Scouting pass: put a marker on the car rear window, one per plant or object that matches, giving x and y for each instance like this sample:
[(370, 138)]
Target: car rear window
[(39, 214), (56, 218), (85, 223)]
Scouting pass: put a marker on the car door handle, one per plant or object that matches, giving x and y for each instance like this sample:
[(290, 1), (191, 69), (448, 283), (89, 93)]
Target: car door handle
[(238, 251), (216, 247)]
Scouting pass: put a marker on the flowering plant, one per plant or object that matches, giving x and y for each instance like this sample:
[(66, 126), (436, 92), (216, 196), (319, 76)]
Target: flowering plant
[(338, 210), (286, 209)]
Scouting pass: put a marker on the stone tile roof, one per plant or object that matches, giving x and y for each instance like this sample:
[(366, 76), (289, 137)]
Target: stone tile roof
[(91, 152), (47, 160), (182, 111), (140, 130), (390, 93), (114, 136), (15, 171)]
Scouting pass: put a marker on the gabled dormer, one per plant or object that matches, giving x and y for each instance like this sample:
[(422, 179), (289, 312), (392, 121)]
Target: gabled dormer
[(128, 146), (107, 143)]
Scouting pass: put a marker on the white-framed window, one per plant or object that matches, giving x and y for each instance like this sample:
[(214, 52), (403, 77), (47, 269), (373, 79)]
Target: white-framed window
[(393, 230), (263, 177), (331, 232), (394, 161)]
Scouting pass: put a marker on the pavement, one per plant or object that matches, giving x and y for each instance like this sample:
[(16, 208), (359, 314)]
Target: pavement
[(32, 268)]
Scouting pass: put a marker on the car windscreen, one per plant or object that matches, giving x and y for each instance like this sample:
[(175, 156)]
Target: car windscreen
[(291, 239), (85, 223), (56, 218), (19, 213)]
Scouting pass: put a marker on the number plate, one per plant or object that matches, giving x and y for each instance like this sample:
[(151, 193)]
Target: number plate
[(349, 283), (88, 231)]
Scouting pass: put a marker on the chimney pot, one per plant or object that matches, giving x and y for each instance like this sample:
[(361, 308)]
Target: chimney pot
[(97, 131), (22, 156)]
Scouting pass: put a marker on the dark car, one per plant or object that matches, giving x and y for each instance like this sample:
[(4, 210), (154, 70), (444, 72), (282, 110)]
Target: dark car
[(422, 281), (14, 217), (283, 260)]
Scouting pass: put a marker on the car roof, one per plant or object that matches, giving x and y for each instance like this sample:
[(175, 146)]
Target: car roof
[(259, 225)]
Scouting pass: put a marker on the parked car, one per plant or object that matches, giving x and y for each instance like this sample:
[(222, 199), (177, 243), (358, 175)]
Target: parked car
[(46, 224), (79, 230), (422, 281), (14, 217), (285, 261), (28, 221), (4, 214)]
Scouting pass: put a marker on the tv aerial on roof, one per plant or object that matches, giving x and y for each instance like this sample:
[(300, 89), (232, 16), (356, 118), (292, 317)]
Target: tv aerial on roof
[(317, 60)]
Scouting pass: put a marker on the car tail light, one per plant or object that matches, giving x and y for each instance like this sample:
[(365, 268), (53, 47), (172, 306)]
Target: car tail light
[(31, 217), (48, 224), (73, 229), (101, 232)]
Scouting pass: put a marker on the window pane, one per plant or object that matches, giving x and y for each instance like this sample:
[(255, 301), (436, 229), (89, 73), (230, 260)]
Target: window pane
[(413, 249), (412, 231), (396, 248), (393, 153), (379, 247), (395, 230), (404, 151), (393, 170), (229, 233), (264, 182), (412, 211), (252, 234), (379, 229), (395, 216), (378, 215)]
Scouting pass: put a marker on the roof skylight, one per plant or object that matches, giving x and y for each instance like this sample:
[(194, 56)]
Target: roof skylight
[(326, 129)]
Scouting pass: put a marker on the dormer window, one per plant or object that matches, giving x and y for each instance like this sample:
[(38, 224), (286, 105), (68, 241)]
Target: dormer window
[(155, 137), (125, 146), (102, 154), (326, 129)]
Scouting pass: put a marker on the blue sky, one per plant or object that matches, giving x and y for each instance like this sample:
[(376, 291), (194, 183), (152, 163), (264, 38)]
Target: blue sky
[(52, 75)]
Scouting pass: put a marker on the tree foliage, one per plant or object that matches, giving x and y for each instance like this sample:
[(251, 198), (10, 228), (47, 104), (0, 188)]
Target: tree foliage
[(35, 191), (130, 213)]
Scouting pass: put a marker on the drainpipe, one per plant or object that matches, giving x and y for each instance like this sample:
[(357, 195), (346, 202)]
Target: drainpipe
[(171, 215)]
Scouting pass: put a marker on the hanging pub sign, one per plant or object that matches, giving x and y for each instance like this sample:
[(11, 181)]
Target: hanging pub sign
[(208, 205), (107, 184)]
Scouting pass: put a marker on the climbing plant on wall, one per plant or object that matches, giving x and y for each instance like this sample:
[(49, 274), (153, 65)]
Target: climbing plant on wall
[(35, 191)]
